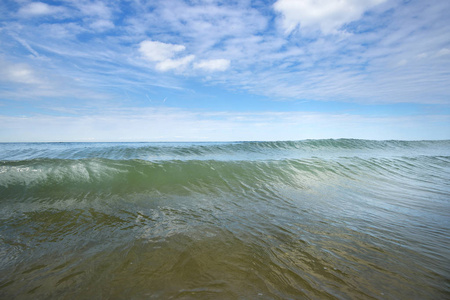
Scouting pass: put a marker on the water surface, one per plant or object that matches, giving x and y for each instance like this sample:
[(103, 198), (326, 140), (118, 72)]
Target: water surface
[(315, 219)]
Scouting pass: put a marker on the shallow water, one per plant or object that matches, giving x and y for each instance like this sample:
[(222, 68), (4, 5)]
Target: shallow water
[(311, 219)]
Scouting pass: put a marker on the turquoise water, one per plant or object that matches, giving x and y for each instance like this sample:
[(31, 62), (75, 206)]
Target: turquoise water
[(317, 219)]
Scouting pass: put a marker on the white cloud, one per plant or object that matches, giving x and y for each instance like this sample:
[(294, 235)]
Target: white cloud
[(158, 51), (18, 73), (96, 15), (442, 52), (58, 31), (164, 55), (98, 9), (102, 25), (213, 64), (208, 22), (26, 81), (39, 9), (177, 64), (326, 15)]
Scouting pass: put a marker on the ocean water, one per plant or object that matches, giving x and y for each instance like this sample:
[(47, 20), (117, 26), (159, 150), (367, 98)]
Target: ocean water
[(314, 219)]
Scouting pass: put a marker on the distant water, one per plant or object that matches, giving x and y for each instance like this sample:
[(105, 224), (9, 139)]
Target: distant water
[(314, 219)]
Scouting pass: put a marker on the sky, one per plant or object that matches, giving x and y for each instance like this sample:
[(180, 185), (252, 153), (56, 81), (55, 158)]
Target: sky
[(211, 70)]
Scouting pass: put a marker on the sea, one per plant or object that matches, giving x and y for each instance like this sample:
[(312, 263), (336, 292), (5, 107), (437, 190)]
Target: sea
[(310, 219)]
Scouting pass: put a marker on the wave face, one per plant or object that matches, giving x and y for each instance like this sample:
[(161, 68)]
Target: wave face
[(275, 220)]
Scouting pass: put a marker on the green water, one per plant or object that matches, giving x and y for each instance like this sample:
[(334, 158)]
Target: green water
[(323, 219)]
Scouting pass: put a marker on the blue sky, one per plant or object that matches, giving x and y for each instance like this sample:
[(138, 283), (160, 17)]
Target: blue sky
[(207, 70)]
